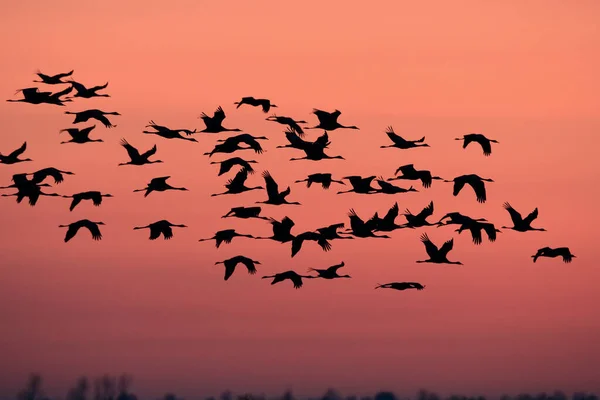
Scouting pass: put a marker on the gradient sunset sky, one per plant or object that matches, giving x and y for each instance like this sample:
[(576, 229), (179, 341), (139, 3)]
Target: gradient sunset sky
[(523, 72)]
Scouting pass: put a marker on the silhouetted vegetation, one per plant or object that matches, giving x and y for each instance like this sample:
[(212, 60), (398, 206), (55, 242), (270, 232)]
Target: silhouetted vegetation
[(107, 387)]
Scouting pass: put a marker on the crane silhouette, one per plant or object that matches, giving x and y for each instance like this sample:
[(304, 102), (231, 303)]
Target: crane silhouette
[(158, 185), (226, 165), (410, 173), (324, 179), (275, 197), (475, 181), (87, 93), (225, 236), (80, 136), (400, 143), (437, 256), (53, 79), (312, 236), (360, 185), (162, 128), (40, 176), (94, 196), (135, 157), (293, 125), (214, 124), (361, 229), (163, 226), (34, 96), (331, 272), (245, 213), (232, 262), (475, 227), (251, 101), (167, 133), (291, 275), (228, 147), (329, 120), (388, 188), (247, 139), (27, 188), (457, 218), (281, 230), (331, 232), (550, 252), (521, 224), (419, 220), (315, 151), (99, 115), (400, 285), (485, 143), (84, 223), (388, 222), (296, 142), (13, 157), (237, 184)]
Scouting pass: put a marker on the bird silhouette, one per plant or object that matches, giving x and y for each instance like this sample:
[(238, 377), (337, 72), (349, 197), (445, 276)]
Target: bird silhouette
[(388, 222), (329, 120), (228, 147), (437, 256), (247, 139), (475, 181), (99, 115), (293, 125), (400, 285), (331, 232), (167, 133), (410, 173), (245, 213), (84, 223), (475, 227), (362, 229), (56, 174), (419, 220), (158, 185), (275, 197), (324, 179), (163, 226), (226, 165), (34, 96), (214, 124), (251, 101), (237, 184), (400, 143), (135, 157), (281, 230), (521, 224), (225, 236), (315, 151), (87, 93), (95, 196), (485, 143), (291, 275), (13, 157), (27, 188), (53, 79), (360, 185), (331, 272), (550, 252), (80, 136), (388, 188), (232, 262), (457, 218), (312, 236)]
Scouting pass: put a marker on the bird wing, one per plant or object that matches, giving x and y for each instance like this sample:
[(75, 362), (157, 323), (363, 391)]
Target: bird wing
[(416, 285), (63, 92), (149, 153), (42, 174), (295, 140), (158, 181), (533, 215), (490, 230), (297, 243), (167, 232), (321, 115), (322, 141), (76, 200), (566, 254), (78, 86), (271, 185), (485, 145), (384, 185), (132, 151), (430, 248), (392, 213), (447, 246), (426, 212), (250, 265), (96, 198), (394, 137), (406, 169), (18, 151), (60, 76), (479, 188), (72, 231), (104, 120), (355, 222), (229, 269), (514, 214), (459, 183), (219, 115), (155, 231), (239, 178), (475, 230), (100, 87)]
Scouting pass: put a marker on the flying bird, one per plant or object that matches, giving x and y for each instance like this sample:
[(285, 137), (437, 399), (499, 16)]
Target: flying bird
[(400, 285), (410, 173), (362, 229), (275, 197), (475, 227), (315, 151), (245, 213), (324, 179), (27, 188), (388, 188), (521, 224), (291, 275), (281, 230), (226, 165), (251, 101), (99, 115), (550, 252), (388, 222), (84, 223), (161, 227), (329, 120), (457, 218), (475, 181), (232, 262), (484, 142), (360, 185), (401, 143), (331, 272), (229, 147), (437, 256), (313, 236), (85, 92), (53, 79), (237, 184), (13, 157), (225, 236), (167, 133), (80, 136), (34, 96), (214, 124), (293, 125), (331, 232), (56, 174), (94, 196), (419, 220), (135, 157), (158, 185)]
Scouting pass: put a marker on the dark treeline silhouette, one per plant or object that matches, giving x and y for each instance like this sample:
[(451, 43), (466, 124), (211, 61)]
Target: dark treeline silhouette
[(107, 387)]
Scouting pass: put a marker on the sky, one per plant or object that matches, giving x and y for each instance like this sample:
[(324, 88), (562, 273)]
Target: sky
[(522, 72)]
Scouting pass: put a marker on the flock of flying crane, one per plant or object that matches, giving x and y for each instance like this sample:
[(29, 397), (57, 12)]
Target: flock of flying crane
[(31, 188)]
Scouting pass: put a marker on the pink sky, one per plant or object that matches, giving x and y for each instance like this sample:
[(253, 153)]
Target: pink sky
[(522, 72)]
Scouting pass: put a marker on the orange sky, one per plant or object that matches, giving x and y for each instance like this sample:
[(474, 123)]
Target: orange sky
[(522, 72)]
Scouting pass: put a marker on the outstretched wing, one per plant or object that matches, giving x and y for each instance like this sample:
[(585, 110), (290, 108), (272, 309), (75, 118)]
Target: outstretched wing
[(321, 115), (406, 169), (149, 153), (94, 230), (322, 141), (271, 185), (239, 178), (392, 213), (490, 230), (394, 137), (446, 247), (132, 151), (533, 215), (219, 115), (430, 248), (514, 214), (18, 151), (479, 188), (426, 212)]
